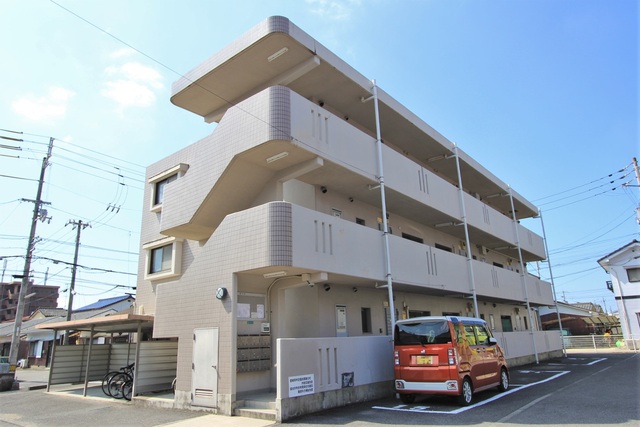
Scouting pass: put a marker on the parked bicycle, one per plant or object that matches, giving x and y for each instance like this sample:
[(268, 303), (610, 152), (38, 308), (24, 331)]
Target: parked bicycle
[(114, 381)]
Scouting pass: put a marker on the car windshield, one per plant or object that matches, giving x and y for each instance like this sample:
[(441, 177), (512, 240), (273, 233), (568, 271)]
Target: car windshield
[(432, 332)]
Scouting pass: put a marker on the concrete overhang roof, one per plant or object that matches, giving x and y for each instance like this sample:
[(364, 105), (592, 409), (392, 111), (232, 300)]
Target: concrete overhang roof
[(276, 52), (115, 323)]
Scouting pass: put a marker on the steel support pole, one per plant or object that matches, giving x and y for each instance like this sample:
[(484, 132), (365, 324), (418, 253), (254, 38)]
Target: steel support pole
[(383, 202), (466, 234), (553, 285), (523, 274)]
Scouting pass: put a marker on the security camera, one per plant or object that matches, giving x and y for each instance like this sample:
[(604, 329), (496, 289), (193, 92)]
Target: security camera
[(310, 284), (351, 199), (323, 189), (327, 287)]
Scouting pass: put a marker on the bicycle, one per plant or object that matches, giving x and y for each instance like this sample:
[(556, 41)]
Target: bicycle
[(126, 389), (112, 382)]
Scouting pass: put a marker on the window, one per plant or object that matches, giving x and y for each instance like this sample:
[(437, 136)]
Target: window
[(365, 313), (412, 238), (482, 334), (158, 196), (470, 334), (163, 258), (633, 274), (418, 313), (443, 247), (160, 181)]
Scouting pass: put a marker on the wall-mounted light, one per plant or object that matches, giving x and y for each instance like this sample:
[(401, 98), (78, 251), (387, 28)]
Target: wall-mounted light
[(274, 274), (221, 293), (327, 287), (278, 54), (277, 157)]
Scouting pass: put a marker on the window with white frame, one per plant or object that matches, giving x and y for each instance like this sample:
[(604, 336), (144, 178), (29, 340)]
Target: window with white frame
[(633, 274), (160, 182), (163, 258)]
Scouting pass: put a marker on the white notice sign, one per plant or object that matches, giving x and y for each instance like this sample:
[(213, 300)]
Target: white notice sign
[(301, 385)]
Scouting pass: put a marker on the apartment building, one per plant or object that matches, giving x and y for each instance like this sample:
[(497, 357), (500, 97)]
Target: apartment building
[(279, 249), (40, 296)]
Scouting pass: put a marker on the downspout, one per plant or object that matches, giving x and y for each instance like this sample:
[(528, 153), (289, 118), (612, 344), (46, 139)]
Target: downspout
[(522, 274), (553, 285), (383, 202), (466, 234)]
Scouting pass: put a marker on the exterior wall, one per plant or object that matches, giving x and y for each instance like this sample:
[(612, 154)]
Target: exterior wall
[(45, 297), (230, 230), (327, 365), (628, 300)]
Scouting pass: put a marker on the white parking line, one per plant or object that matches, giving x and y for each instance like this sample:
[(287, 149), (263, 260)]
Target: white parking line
[(408, 408)]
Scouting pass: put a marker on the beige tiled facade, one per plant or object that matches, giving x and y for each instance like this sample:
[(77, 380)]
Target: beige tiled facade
[(281, 203)]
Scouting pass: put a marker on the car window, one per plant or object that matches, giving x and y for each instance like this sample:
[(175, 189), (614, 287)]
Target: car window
[(423, 333), (471, 336), (483, 335)]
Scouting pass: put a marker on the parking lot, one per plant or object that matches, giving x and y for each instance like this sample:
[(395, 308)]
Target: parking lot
[(598, 389)]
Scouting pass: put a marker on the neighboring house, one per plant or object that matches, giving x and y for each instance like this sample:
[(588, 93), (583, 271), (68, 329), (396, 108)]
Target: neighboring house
[(36, 342), (579, 319), (38, 296), (623, 265), (264, 250)]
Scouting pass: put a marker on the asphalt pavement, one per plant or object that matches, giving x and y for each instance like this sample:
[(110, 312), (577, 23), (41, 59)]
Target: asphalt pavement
[(586, 389)]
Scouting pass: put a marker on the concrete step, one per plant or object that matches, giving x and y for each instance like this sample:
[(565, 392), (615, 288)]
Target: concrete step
[(258, 413)]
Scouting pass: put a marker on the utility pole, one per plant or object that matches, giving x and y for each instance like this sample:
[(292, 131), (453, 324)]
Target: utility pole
[(78, 226), (17, 325)]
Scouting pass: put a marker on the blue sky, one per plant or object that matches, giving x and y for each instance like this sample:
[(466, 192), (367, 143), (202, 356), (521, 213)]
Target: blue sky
[(543, 93)]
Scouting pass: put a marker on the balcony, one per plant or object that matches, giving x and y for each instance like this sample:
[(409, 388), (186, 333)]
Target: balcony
[(353, 254)]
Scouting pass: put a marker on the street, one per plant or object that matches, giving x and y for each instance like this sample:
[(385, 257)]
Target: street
[(590, 389)]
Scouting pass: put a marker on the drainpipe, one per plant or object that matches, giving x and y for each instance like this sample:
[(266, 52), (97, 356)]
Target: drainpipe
[(466, 234), (385, 225), (522, 274), (553, 285)]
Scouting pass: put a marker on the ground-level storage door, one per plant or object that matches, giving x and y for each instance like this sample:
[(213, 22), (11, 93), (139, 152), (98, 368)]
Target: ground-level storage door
[(204, 370)]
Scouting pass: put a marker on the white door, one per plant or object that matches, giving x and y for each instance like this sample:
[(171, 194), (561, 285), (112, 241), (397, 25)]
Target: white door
[(204, 380)]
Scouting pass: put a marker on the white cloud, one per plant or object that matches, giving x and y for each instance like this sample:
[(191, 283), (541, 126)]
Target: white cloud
[(337, 10), (125, 51), (132, 85), (128, 93), (46, 108)]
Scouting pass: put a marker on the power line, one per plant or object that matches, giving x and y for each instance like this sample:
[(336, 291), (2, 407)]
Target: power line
[(580, 186)]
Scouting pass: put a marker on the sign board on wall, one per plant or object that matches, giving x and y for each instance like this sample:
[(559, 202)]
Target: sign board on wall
[(301, 385)]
